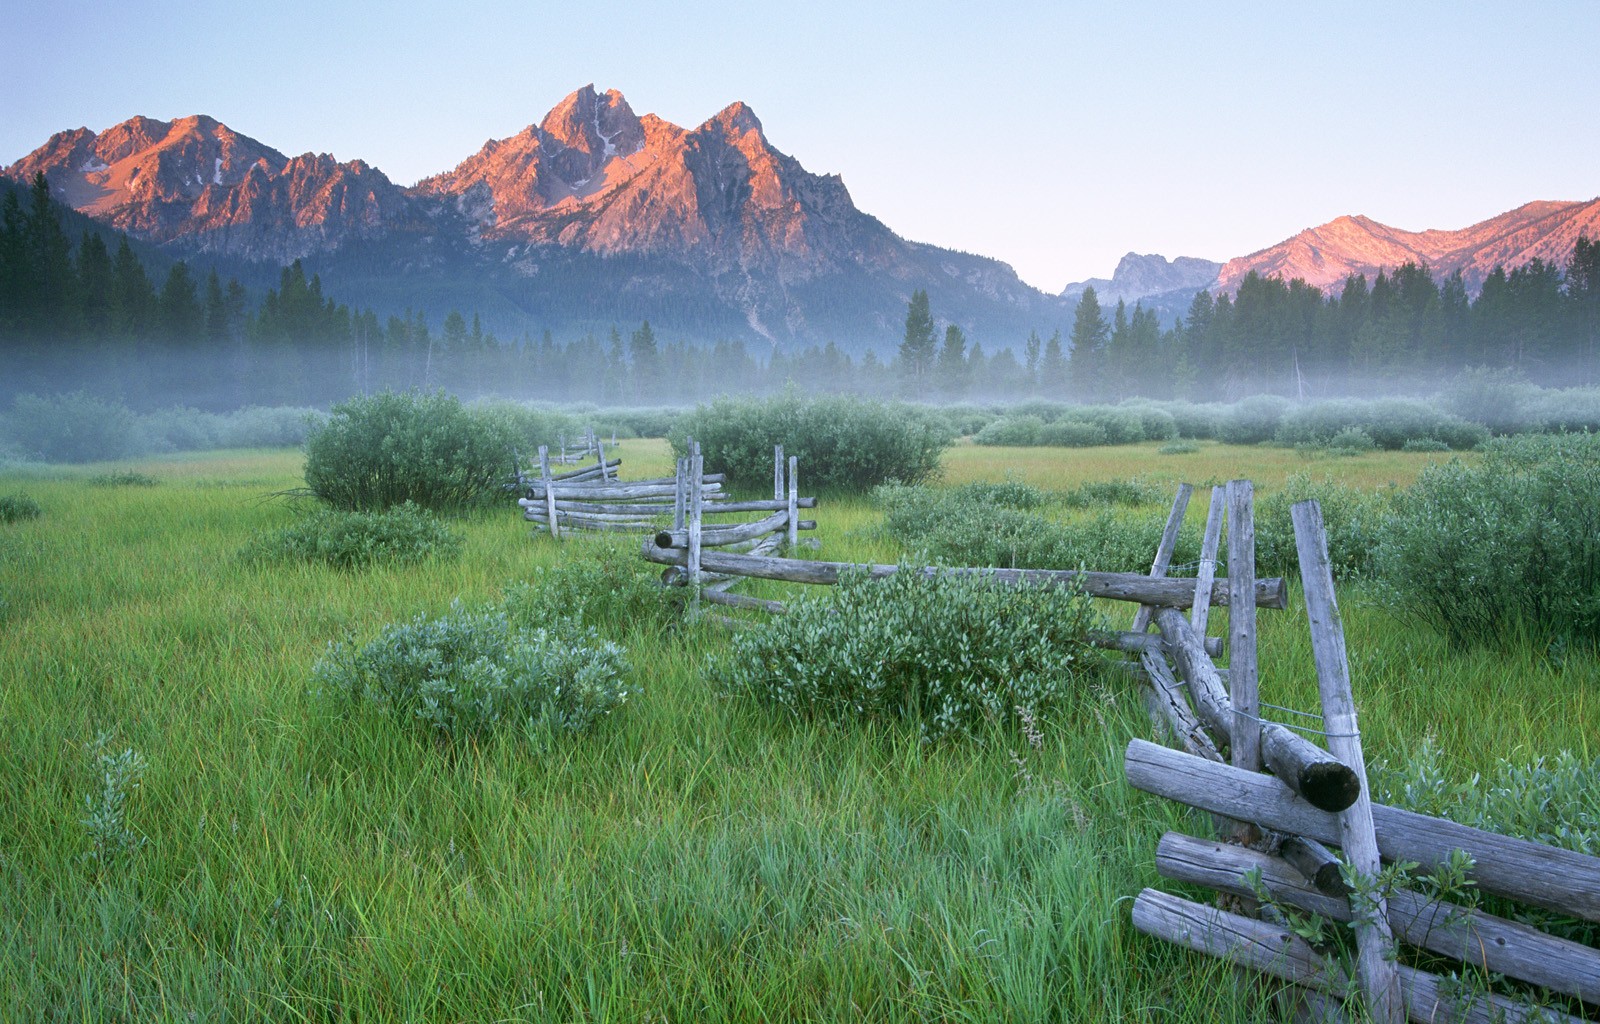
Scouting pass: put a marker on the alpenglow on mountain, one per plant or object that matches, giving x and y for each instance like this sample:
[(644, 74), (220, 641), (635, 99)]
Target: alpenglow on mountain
[(595, 216)]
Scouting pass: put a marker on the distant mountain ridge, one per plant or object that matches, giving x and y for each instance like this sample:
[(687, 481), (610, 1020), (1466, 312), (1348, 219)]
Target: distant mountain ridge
[(1326, 255), (593, 216), (597, 216)]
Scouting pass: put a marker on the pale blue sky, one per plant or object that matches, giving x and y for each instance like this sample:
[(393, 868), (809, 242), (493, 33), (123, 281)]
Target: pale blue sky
[(1054, 136)]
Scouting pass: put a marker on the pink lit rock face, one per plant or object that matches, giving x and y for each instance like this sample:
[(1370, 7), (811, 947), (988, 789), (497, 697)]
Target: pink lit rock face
[(1324, 256)]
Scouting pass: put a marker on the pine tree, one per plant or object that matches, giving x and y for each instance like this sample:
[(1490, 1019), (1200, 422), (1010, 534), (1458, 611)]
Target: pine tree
[(1089, 334), (1053, 368), (1030, 361), (952, 370), (917, 350), (95, 285)]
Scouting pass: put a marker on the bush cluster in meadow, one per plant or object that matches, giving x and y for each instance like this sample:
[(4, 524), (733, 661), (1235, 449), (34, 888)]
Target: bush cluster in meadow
[(79, 427), (1505, 549), (954, 654), (351, 540), (840, 441), (472, 671), (1117, 529), (14, 508)]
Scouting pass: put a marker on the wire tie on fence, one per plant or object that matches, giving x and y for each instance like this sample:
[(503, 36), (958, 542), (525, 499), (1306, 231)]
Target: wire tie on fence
[(1298, 728), (1292, 711)]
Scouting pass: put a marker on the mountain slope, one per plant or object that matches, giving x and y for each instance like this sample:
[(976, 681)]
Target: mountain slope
[(594, 215), (1324, 256)]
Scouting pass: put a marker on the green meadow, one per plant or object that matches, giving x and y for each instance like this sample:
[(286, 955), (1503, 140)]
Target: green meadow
[(695, 857)]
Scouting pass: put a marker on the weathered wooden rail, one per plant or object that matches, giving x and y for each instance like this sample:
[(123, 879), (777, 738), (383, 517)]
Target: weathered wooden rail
[(1282, 798)]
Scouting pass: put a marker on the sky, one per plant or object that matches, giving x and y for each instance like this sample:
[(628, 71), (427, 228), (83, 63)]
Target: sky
[(1053, 136)]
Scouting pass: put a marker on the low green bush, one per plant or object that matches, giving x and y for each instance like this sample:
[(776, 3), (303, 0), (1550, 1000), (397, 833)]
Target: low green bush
[(268, 427), (1071, 434), (352, 540), (1351, 441), (956, 529), (14, 508), (841, 442), (1133, 492), (1503, 550), (1011, 432), (122, 478), (467, 673), (1178, 448), (1252, 420), (1424, 444), (1353, 519), (76, 427), (378, 451), (611, 590), (954, 654)]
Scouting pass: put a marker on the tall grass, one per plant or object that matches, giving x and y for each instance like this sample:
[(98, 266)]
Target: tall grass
[(697, 858)]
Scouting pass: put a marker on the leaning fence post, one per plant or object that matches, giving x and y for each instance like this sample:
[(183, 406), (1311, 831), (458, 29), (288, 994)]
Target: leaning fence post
[(1243, 688), (1200, 615), (794, 503), (1374, 941), (777, 472), (696, 509), (1169, 543), (549, 490)]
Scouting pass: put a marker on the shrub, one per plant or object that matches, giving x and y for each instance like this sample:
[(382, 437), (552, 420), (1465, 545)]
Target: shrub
[(1006, 494), (1351, 441), (377, 451), (1424, 444), (841, 441), (1506, 549), (268, 427), (1494, 398), (524, 427), (468, 672), (16, 507), (1011, 431), (1121, 425), (952, 653), (613, 591), (640, 422), (1555, 800), (956, 529), (350, 540), (967, 420), (1072, 434), (1201, 422), (181, 430), (1178, 448), (1353, 519), (1252, 420), (76, 427), (1566, 409), (122, 478), (1155, 423), (1136, 491)]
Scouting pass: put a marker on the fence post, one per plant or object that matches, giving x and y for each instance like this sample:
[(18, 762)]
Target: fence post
[(696, 509), (1169, 543), (1199, 616), (777, 472), (549, 490), (1374, 941), (680, 492), (794, 503), (1243, 688)]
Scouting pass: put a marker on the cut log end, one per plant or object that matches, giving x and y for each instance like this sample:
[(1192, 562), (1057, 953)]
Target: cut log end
[(1329, 785)]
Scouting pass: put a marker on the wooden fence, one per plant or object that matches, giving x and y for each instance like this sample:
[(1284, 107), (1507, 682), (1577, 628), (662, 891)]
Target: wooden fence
[(1272, 827)]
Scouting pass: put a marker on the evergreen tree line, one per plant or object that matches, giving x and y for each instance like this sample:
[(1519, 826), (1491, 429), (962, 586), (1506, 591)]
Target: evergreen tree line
[(76, 314), (1399, 332)]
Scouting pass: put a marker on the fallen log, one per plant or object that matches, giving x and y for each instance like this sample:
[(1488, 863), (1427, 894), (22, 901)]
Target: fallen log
[(1471, 936), (742, 601), (583, 523), (1545, 876), (1120, 586)]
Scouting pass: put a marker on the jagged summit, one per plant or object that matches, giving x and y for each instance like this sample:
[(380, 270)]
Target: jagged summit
[(1328, 254), (593, 208)]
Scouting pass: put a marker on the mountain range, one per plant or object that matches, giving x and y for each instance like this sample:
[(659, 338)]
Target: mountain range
[(598, 216)]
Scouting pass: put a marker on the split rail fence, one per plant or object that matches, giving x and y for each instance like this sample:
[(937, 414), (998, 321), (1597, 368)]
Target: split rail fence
[(1272, 828)]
